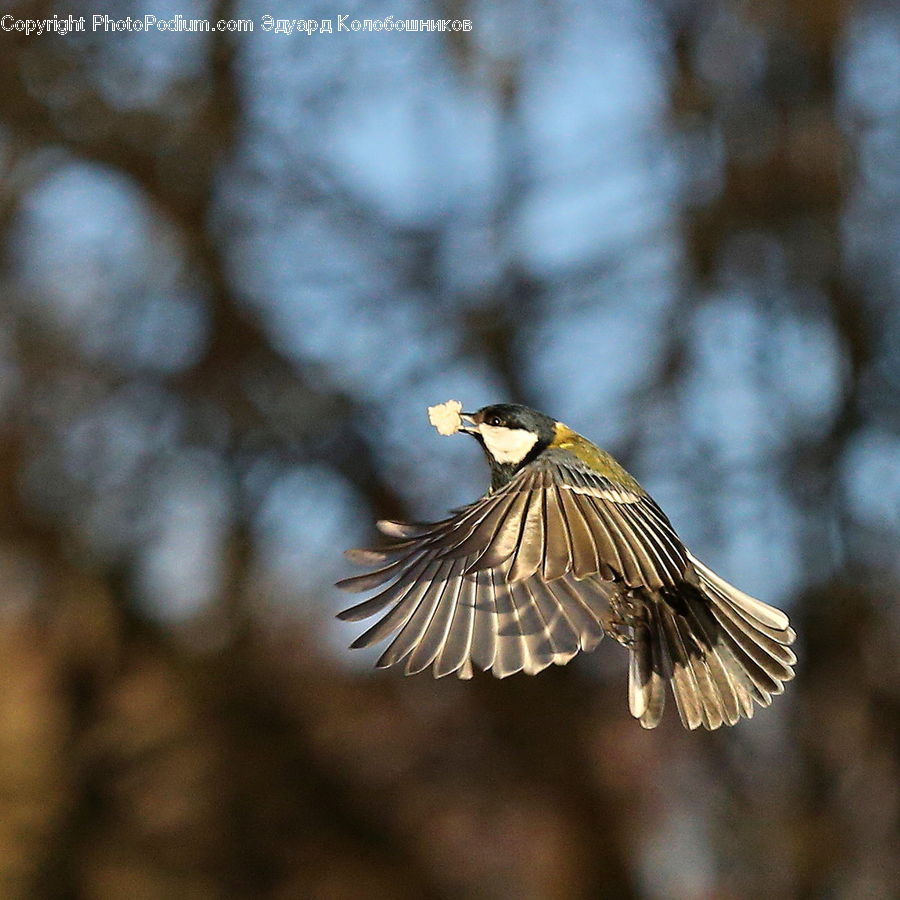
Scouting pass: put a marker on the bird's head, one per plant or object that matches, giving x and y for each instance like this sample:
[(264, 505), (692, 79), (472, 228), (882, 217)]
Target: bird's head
[(511, 436)]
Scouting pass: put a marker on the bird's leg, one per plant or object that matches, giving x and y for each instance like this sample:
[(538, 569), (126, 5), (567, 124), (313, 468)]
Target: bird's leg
[(623, 616)]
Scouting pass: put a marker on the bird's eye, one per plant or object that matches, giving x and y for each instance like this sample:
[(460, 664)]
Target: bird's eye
[(495, 420)]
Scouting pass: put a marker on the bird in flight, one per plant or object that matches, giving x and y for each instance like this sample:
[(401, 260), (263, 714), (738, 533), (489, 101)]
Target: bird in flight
[(564, 548)]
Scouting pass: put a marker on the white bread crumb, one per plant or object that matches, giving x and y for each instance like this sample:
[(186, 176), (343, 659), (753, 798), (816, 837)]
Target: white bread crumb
[(445, 417)]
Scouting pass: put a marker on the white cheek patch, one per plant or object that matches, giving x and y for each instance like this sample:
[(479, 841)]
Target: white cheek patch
[(507, 445)]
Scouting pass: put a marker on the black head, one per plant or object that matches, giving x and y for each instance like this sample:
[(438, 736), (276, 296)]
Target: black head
[(511, 436)]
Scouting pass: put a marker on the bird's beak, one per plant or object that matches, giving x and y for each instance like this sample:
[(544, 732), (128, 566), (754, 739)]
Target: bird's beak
[(468, 426)]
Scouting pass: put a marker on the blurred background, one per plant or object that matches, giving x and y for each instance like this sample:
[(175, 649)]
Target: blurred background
[(234, 270)]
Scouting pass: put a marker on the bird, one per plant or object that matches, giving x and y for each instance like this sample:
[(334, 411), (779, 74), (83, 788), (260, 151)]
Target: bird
[(564, 548)]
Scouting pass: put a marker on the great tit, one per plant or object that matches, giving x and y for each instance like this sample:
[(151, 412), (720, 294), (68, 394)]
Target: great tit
[(563, 548)]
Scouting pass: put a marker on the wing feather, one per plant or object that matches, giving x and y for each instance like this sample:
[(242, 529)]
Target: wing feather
[(473, 530), (635, 542), (511, 651), (358, 583), (506, 536), (538, 645), (622, 556), (562, 639), (402, 529), (528, 555), (457, 648), (391, 594), (426, 648), (566, 617), (558, 558), (484, 626), (663, 569), (585, 554), (405, 615)]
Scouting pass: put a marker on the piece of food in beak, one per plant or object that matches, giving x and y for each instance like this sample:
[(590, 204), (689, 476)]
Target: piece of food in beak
[(446, 417)]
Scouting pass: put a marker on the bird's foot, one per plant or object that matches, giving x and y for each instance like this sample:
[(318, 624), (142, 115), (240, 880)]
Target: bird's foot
[(622, 620), (620, 632)]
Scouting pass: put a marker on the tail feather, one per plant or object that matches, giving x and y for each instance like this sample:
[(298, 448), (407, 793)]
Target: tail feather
[(684, 683), (719, 649), (753, 646), (647, 673), (762, 612), (711, 703), (735, 686)]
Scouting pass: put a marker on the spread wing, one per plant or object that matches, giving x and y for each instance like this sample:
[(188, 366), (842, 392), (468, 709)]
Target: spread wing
[(442, 617), (557, 516), (519, 579)]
